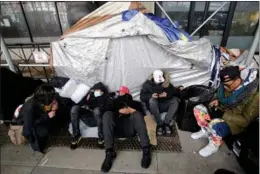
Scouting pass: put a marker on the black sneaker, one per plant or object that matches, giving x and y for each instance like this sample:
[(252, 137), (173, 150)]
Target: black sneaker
[(74, 142), (159, 130), (168, 129), (146, 159), (107, 164)]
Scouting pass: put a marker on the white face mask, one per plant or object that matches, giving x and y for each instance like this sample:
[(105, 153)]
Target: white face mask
[(158, 76), (97, 93)]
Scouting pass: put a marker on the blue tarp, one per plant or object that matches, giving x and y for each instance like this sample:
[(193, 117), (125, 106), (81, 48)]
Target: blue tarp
[(172, 32)]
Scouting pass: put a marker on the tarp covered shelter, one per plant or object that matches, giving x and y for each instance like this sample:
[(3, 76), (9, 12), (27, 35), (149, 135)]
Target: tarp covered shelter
[(104, 47)]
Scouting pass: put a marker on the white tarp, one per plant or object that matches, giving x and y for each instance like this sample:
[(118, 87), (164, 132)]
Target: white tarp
[(119, 53)]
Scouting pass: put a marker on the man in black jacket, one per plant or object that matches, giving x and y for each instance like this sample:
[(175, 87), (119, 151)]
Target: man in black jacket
[(161, 96), (126, 120), (98, 100), (36, 115)]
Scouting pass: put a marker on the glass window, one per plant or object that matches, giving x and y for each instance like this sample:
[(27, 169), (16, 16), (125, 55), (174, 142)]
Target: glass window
[(178, 11), (42, 21), (12, 25), (214, 28), (245, 19), (244, 25), (215, 5), (62, 10), (77, 10), (71, 12)]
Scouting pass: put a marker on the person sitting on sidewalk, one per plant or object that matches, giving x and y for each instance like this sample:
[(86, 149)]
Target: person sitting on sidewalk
[(36, 114), (125, 121), (98, 100), (238, 100), (161, 96)]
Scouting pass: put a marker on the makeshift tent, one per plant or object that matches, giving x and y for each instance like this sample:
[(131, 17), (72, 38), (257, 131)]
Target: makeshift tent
[(120, 43)]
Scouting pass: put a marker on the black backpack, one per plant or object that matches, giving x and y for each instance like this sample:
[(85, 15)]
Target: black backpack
[(203, 95)]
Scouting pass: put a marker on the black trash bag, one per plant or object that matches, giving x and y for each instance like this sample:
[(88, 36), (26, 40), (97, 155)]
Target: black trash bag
[(190, 97), (248, 148), (59, 82)]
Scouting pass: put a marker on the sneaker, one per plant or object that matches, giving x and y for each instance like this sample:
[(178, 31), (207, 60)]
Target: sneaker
[(75, 141), (168, 129), (159, 130), (198, 135), (146, 159), (107, 164), (209, 149), (101, 143)]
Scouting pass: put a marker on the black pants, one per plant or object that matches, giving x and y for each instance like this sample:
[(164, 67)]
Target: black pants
[(170, 106), (87, 116), (129, 125)]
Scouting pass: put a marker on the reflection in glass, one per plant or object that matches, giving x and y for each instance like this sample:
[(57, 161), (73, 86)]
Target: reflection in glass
[(12, 25), (178, 11)]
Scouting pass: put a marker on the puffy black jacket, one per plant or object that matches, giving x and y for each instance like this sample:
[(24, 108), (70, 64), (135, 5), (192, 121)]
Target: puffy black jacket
[(104, 102), (36, 127), (127, 101), (149, 87)]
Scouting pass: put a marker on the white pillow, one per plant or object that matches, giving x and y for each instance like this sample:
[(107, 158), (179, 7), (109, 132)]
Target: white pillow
[(80, 91), (68, 89)]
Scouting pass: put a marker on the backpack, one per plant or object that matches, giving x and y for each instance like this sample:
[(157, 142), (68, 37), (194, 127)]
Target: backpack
[(16, 128)]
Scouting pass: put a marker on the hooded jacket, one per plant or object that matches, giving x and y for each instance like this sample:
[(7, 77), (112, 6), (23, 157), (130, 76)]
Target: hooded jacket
[(104, 102), (127, 101), (150, 87), (36, 124)]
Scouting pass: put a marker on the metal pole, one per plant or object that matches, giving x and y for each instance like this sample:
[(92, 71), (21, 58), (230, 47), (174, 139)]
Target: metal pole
[(26, 21), (159, 5), (58, 17), (253, 47), (209, 18), (228, 24), (7, 55), (205, 14)]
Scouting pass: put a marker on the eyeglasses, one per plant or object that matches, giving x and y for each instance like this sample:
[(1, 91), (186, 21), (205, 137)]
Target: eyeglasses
[(229, 85)]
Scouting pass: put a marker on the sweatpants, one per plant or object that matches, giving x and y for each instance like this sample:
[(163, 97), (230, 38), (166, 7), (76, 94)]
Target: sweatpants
[(215, 128), (129, 125)]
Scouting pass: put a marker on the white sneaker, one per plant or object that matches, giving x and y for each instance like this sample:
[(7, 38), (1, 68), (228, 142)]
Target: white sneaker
[(209, 149), (198, 135)]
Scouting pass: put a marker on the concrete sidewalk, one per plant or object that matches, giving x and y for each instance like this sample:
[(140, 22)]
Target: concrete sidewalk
[(61, 160)]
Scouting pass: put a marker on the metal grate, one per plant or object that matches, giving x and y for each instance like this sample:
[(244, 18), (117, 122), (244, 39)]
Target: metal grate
[(169, 143)]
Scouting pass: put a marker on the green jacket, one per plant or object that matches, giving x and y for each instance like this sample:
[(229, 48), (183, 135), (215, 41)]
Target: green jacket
[(242, 115)]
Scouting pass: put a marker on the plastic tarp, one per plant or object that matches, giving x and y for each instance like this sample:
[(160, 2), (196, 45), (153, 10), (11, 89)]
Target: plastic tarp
[(120, 52), (171, 31)]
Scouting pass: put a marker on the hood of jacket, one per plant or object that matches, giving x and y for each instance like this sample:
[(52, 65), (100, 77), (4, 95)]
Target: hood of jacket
[(166, 76), (100, 86)]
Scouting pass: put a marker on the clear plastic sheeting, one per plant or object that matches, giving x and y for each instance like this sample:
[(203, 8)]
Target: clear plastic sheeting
[(118, 52)]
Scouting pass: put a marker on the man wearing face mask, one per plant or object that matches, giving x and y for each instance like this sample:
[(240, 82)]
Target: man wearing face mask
[(161, 96), (238, 99), (98, 101)]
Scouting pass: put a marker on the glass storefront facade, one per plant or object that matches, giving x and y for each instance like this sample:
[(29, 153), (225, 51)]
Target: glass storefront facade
[(233, 26)]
